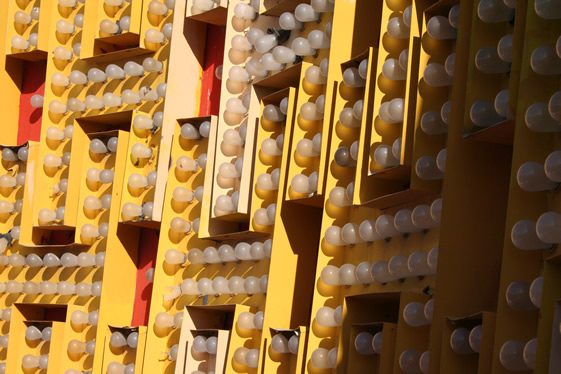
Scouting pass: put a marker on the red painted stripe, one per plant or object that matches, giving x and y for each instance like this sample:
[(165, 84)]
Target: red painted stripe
[(147, 249), (33, 82), (214, 56)]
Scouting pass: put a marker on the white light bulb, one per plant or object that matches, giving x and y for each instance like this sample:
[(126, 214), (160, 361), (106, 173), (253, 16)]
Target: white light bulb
[(301, 46), (511, 356), (426, 168), (459, 341), (488, 61), (397, 28), (545, 61), (409, 361), (524, 236), (493, 11), (531, 176), (518, 296), (287, 21), (439, 28), (435, 75), (538, 119), (536, 291), (319, 358), (547, 226), (305, 13)]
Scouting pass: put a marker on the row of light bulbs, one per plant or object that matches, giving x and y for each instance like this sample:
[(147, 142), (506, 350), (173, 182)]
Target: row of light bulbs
[(219, 285), (385, 226), (391, 111), (271, 149), (397, 267), (50, 260), (225, 253), (62, 288), (109, 100), (273, 58)]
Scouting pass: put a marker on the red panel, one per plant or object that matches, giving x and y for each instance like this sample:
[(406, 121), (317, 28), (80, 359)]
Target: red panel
[(214, 56), (33, 82), (147, 248)]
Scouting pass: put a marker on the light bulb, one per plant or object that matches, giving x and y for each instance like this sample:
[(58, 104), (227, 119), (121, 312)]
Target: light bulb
[(186, 164), (301, 46), (305, 13), (518, 297), (367, 231), (246, 321), (265, 43), (64, 27), (426, 168), (439, 28), (493, 11), (332, 358), (538, 119), (384, 158), (330, 275), (474, 338), (363, 274), (131, 211), (511, 356), (504, 48), (363, 343), (409, 361), (154, 36), (279, 344), (137, 181), (352, 78), (454, 16), (157, 8), (525, 237), (287, 21), (22, 18), (536, 291), (422, 218), (554, 105), (397, 28), (111, 100), (318, 39), (545, 61), (189, 287), (529, 354), (435, 75), (546, 227), (319, 358), (180, 225), (459, 341), (347, 276), (140, 151), (30, 362), (117, 340), (403, 222), (343, 157), (488, 61), (385, 226), (46, 216), (531, 176), (391, 70), (349, 234)]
